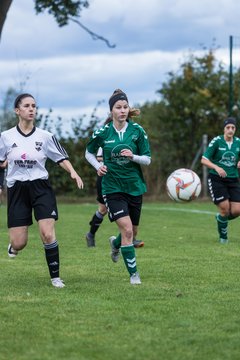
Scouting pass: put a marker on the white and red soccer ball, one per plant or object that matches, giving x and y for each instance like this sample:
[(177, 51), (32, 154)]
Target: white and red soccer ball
[(183, 185)]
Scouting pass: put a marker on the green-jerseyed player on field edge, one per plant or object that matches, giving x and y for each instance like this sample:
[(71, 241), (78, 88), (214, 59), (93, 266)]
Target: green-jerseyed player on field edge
[(222, 158), (125, 148)]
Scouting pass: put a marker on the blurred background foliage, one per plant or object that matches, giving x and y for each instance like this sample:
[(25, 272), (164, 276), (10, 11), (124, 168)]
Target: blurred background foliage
[(193, 101)]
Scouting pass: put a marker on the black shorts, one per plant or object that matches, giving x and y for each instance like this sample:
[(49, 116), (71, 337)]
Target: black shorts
[(221, 189), (99, 190), (1, 178), (121, 204), (27, 196)]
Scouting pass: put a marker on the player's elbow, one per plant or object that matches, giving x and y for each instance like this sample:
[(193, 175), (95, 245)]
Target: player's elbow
[(203, 161)]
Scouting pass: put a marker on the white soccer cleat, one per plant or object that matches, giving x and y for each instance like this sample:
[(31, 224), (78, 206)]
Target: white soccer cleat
[(57, 282), (223, 241), (11, 252), (135, 279)]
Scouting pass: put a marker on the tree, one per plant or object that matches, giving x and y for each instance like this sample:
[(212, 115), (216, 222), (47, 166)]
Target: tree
[(75, 145), (4, 7), (7, 116), (194, 101), (62, 10)]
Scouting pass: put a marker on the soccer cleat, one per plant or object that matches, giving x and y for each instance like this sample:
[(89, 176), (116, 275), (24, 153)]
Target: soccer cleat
[(115, 253), (11, 252), (138, 243), (223, 241), (135, 279), (57, 282), (90, 240)]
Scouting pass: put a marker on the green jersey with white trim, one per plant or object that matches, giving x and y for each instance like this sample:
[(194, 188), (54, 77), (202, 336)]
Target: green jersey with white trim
[(224, 155), (123, 175)]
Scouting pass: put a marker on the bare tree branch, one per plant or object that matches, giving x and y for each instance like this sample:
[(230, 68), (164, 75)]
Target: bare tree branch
[(93, 35), (61, 13)]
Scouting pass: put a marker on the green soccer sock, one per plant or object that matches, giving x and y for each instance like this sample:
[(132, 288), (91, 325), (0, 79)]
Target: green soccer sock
[(117, 241), (222, 223), (128, 254)]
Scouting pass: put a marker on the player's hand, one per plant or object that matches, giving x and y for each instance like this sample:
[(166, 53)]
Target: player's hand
[(238, 165), (127, 153), (3, 164), (102, 170), (221, 172), (77, 178)]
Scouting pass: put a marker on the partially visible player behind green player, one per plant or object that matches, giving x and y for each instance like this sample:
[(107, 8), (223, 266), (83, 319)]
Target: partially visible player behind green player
[(3, 166), (125, 148), (222, 158)]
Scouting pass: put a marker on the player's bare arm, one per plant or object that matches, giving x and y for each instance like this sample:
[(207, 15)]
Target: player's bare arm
[(221, 172), (66, 165)]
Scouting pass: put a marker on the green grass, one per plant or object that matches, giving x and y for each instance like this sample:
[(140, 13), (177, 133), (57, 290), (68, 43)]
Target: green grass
[(186, 308)]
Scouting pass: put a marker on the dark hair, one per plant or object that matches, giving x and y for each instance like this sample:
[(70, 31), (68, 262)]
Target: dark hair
[(132, 111), (117, 95), (230, 120), (19, 98)]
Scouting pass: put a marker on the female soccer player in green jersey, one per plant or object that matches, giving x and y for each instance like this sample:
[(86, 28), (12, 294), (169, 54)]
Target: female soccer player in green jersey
[(222, 158), (125, 148), (26, 149), (99, 215)]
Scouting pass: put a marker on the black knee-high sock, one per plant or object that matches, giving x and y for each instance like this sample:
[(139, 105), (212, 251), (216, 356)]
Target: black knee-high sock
[(96, 221), (52, 257)]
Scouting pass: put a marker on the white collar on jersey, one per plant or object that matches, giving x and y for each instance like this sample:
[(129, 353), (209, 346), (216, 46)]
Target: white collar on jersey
[(122, 131)]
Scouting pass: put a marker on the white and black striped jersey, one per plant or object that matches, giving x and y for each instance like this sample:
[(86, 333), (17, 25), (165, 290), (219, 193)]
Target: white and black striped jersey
[(27, 154)]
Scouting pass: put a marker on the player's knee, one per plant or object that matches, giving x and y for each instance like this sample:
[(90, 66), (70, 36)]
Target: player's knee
[(224, 211), (104, 212), (102, 209), (128, 234), (47, 236)]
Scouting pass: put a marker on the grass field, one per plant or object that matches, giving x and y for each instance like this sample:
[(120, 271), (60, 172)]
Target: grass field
[(187, 307)]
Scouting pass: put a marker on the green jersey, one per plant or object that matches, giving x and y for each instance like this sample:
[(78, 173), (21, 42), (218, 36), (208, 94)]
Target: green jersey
[(224, 155), (123, 175)]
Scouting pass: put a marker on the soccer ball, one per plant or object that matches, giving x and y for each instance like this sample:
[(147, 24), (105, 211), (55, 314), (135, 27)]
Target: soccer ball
[(183, 185)]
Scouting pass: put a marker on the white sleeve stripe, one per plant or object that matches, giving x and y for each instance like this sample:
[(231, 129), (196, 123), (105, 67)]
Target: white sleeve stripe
[(59, 147)]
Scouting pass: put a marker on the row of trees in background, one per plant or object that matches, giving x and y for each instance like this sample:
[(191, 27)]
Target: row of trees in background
[(193, 101)]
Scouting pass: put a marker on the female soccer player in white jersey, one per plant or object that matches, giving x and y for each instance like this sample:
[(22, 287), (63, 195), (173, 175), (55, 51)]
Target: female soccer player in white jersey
[(26, 149), (125, 147)]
